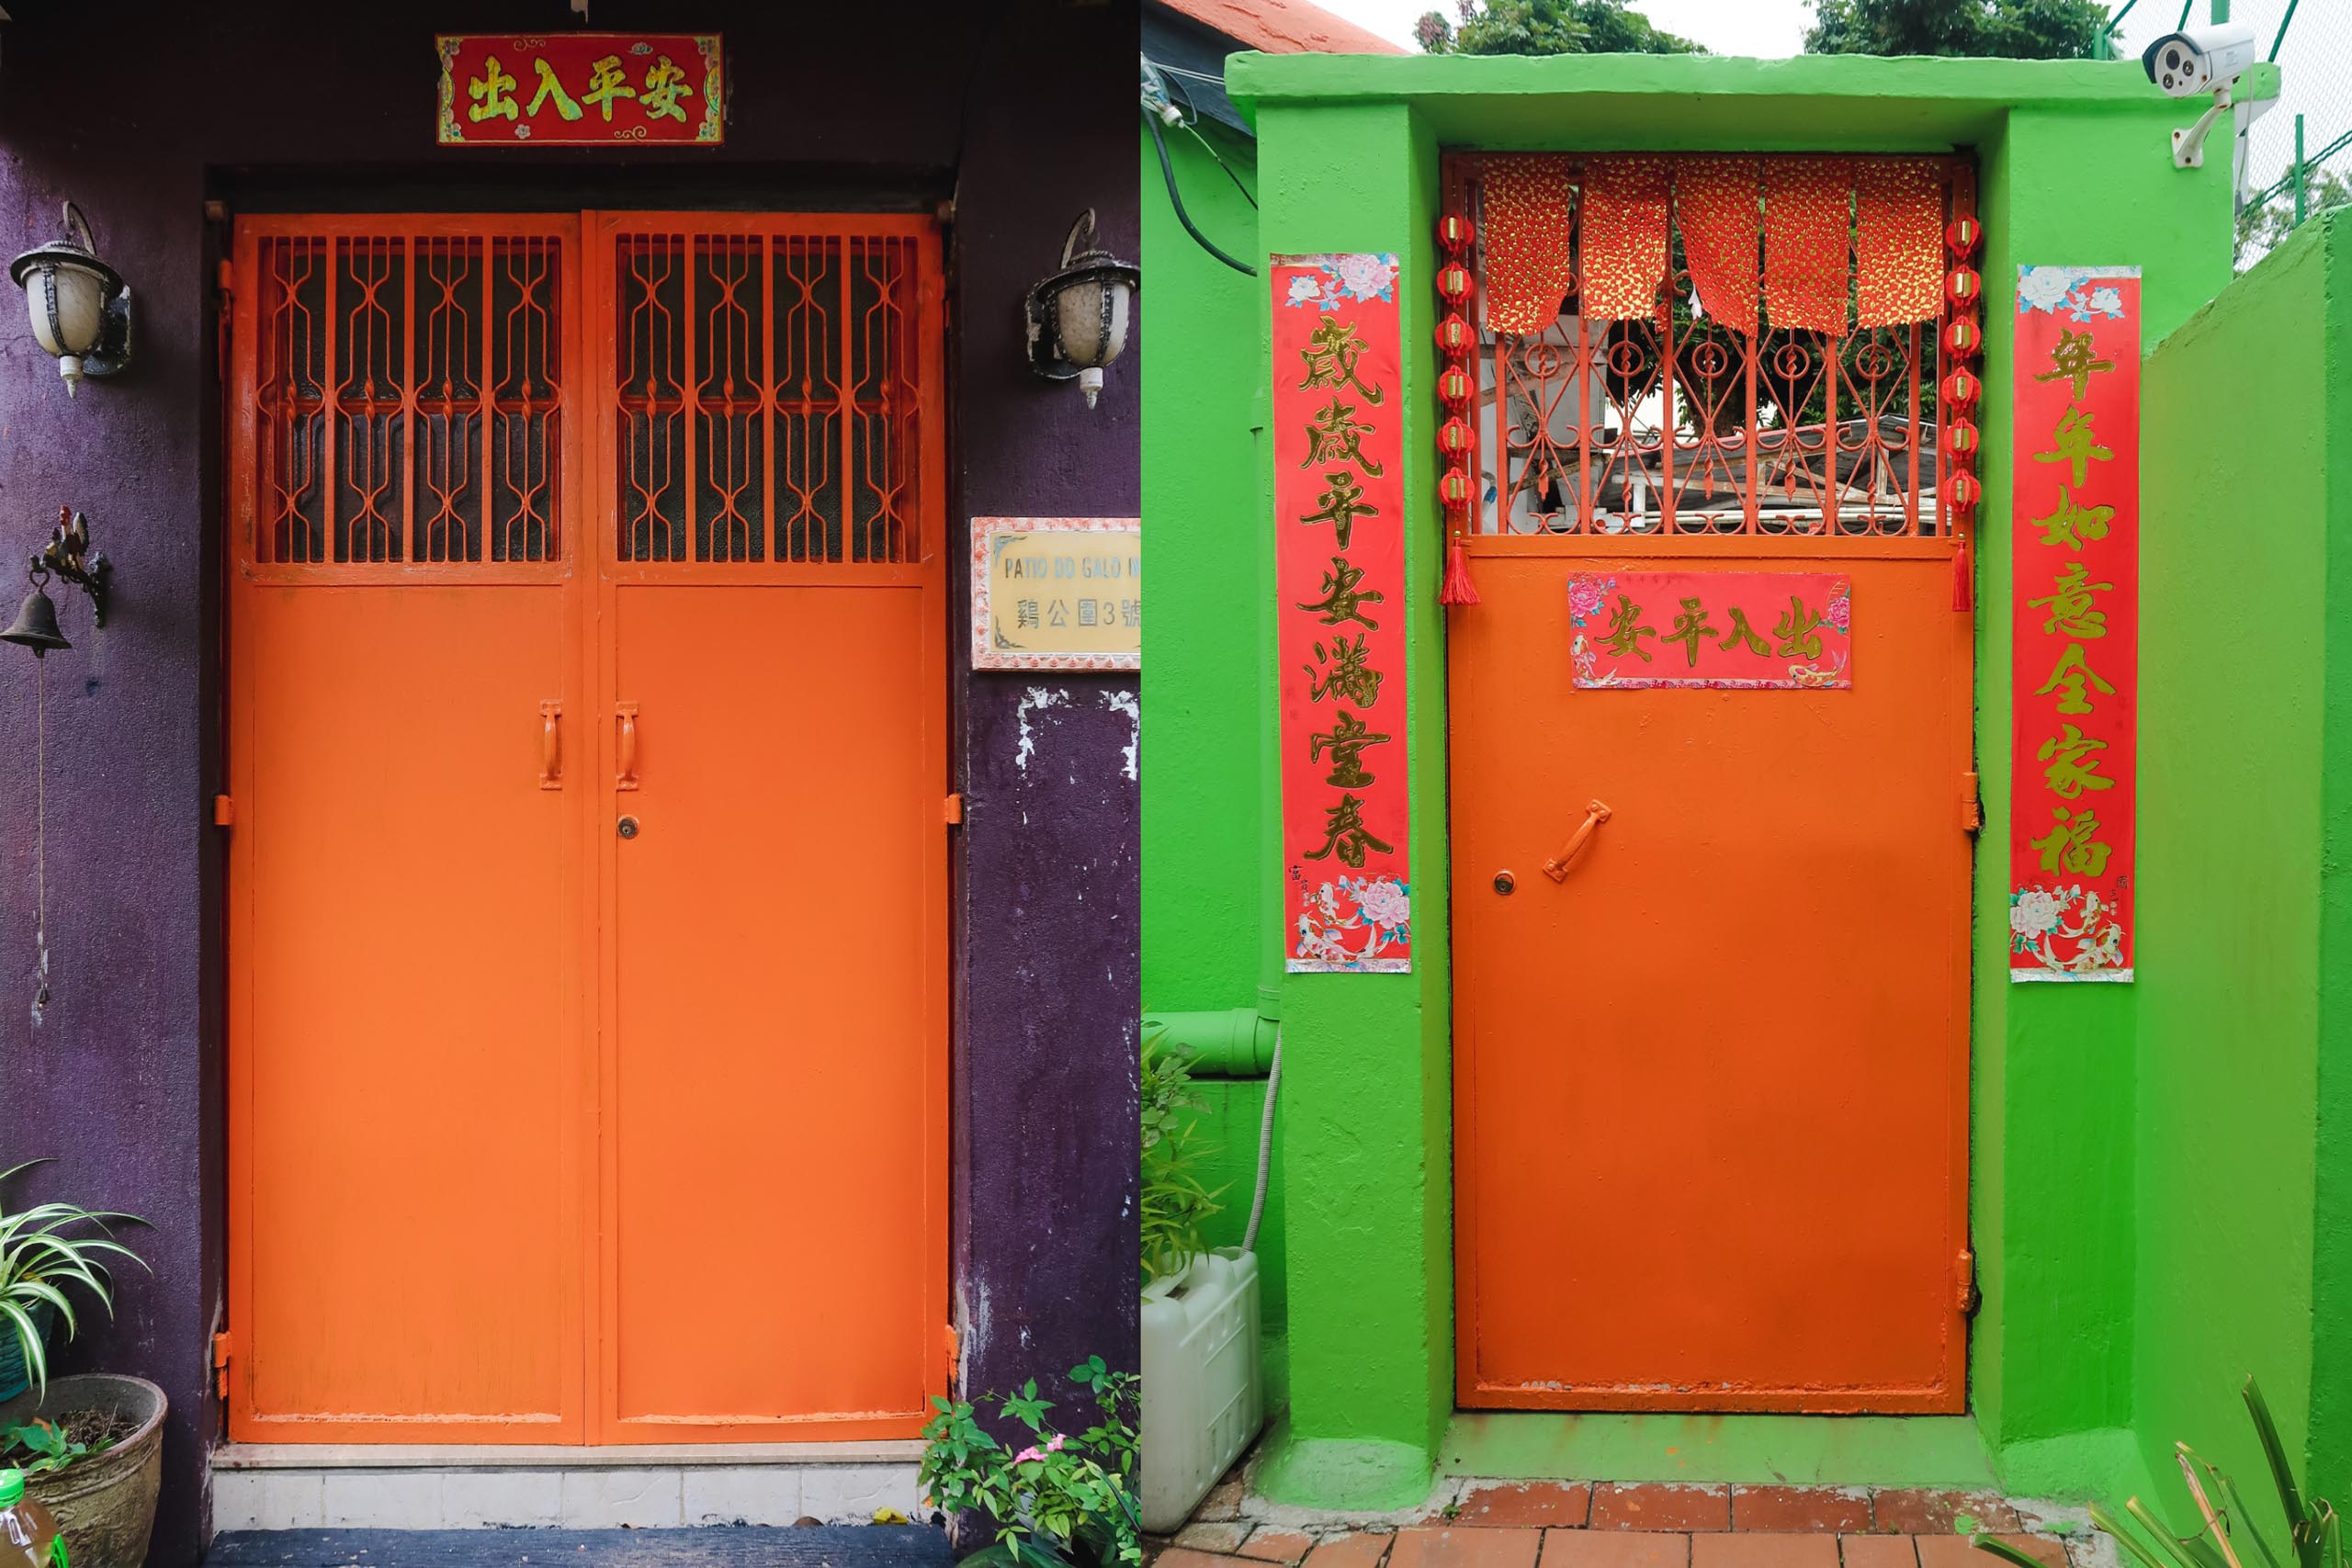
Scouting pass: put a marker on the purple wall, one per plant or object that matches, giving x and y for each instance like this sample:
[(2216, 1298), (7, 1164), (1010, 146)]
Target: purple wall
[(1048, 894), (1021, 111)]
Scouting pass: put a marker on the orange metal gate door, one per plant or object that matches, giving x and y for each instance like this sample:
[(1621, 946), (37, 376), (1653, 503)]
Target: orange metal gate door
[(536, 1133), (775, 960), (1712, 1086)]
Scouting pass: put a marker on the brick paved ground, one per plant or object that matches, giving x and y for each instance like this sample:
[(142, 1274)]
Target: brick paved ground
[(1551, 1524)]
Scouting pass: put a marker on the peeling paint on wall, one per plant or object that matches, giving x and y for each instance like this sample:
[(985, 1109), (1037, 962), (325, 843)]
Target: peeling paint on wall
[(1124, 702), (1037, 701)]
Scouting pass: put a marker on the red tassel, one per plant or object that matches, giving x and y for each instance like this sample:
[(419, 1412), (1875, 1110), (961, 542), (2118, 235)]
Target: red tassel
[(1457, 588), (1963, 578)]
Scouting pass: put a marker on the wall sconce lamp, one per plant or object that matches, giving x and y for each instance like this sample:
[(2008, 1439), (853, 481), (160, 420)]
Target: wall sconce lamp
[(68, 556), (80, 308), (1078, 317)]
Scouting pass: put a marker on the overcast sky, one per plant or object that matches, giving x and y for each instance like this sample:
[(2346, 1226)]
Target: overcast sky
[(2320, 38)]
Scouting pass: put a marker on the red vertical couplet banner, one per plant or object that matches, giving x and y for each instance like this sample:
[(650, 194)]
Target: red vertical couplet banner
[(2073, 789), (1339, 600)]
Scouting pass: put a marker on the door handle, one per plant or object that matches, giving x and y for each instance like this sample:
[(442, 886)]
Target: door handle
[(550, 746), (1557, 867), (625, 776)]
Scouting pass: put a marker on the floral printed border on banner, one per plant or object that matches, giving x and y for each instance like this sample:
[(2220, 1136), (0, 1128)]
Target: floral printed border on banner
[(1777, 630), (2076, 553), (1340, 586)]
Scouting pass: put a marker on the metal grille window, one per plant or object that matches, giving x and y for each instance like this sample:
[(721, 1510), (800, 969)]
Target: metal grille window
[(1678, 423), (768, 397), (409, 392)]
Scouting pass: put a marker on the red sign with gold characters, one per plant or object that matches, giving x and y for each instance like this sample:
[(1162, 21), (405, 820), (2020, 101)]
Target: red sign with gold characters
[(580, 89), (1340, 603), (2075, 552), (1731, 630)]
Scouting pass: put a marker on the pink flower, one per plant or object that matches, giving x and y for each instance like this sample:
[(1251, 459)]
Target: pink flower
[(1585, 597), (1841, 611), (1056, 1446), (1025, 1455), (1385, 903)]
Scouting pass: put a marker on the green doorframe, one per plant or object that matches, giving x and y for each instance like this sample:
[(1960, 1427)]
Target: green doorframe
[(2075, 166)]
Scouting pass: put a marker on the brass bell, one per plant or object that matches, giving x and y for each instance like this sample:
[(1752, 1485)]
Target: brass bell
[(36, 625)]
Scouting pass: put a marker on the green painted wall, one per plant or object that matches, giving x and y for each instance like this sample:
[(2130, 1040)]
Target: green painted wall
[(2243, 922), (1365, 1087), (2055, 1141), (1204, 940), (1207, 944), (2066, 1352)]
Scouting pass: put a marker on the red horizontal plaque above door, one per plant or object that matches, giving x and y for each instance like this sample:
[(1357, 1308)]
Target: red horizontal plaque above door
[(580, 89)]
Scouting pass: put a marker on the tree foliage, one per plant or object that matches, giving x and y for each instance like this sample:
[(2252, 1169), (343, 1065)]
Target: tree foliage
[(1547, 26), (2008, 29), (2264, 226)]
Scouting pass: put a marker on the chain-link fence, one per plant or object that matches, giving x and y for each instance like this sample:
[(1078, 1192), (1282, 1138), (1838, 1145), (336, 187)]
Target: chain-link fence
[(2297, 156)]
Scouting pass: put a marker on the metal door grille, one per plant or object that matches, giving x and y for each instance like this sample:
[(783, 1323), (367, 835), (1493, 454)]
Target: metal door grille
[(409, 393), (768, 396), (1678, 424)]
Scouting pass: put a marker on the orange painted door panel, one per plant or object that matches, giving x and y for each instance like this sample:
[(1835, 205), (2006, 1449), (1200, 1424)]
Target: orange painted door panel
[(766, 1094), (1712, 1086), (408, 1073), (538, 1134)]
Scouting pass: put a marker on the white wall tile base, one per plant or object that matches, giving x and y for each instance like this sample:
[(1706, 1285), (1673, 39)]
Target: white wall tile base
[(267, 1487)]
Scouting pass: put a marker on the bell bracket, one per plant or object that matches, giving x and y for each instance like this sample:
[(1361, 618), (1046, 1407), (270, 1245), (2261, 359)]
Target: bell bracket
[(68, 556)]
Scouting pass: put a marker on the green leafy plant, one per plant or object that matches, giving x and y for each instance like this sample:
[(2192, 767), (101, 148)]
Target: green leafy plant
[(44, 1448), (1064, 1499), (1174, 1205), (44, 1249), (2314, 1533), (2011, 29), (1547, 27)]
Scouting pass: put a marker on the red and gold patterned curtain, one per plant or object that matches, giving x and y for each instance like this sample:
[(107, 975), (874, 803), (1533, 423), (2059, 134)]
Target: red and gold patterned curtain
[(1806, 206), (1529, 203), (1859, 238), (1623, 252), (1715, 209), (1898, 241)]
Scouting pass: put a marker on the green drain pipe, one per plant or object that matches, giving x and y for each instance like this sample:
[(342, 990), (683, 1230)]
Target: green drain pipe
[(1232, 1043)]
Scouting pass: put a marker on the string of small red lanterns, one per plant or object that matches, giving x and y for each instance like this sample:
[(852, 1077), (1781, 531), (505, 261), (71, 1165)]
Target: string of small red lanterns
[(1962, 341), (1455, 388)]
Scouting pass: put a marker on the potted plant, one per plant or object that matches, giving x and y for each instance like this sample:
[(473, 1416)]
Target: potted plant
[(43, 1251), (91, 1446), (1065, 1499), (1205, 1395), (1174, 1204)]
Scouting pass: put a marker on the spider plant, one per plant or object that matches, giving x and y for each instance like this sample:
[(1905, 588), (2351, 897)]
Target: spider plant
[(43, 1249), (1175, 1205), (2314, 1533)]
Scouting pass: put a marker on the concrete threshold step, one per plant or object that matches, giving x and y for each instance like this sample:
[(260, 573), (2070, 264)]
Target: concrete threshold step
[(745, 1546)]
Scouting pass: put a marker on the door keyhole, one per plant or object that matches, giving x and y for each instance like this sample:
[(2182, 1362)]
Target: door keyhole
[(626, 827), (1504, 883)]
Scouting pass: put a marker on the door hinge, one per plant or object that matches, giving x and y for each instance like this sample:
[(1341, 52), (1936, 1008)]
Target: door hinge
[(1972, 805), (1963, 1281), (953, 1343), (224, 810), (952, 813), (223, 1347)]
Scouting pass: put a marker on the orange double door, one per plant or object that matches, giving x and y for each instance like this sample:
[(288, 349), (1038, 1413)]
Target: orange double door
[(1711, 1086), (587, 950)]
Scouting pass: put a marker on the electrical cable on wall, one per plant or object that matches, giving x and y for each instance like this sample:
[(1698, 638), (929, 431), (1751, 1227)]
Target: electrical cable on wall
[(1156, 110)]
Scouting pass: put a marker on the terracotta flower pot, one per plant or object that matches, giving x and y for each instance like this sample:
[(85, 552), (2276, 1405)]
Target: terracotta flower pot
[(106, 1503)]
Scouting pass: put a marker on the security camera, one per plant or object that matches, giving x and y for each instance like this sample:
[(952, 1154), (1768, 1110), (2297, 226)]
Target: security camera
[(2199, 60), (2191, 63)]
